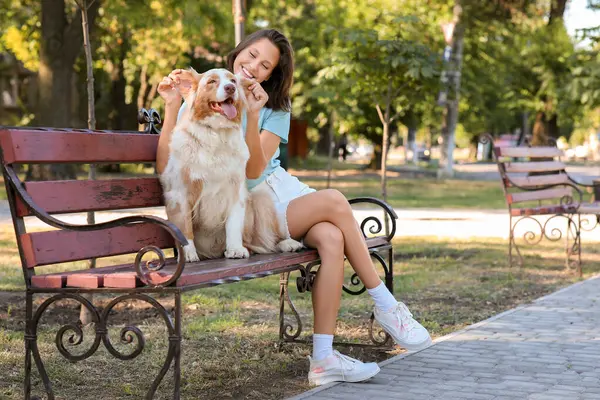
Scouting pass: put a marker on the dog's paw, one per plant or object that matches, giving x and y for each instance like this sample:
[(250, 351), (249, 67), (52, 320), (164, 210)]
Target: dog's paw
[(241, 252), (189, 250), (289, 245)]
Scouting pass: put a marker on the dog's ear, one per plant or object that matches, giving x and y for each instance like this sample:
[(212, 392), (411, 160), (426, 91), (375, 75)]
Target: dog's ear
[(188, 82)]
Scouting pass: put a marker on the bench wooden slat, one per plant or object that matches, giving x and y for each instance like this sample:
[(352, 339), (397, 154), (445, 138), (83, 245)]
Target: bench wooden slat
[(545, 166), (52, 247), (123, 276), (538, 180), (545, 194), (37, 146), (85, 195), (531, 152)]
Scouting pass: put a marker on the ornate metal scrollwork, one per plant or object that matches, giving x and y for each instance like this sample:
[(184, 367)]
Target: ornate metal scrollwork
[(150, 119), (372, 225), (128, 335), (305, 281)]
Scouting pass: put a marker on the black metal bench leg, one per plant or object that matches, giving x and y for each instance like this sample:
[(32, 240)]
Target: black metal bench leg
[(32, 351), (389, 273), (177, 344), (286, 330)]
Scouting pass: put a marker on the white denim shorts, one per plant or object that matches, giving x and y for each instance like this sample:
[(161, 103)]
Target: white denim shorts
[(283, 188)]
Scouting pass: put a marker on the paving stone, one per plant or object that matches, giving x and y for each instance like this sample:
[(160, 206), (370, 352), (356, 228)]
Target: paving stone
[(548, 350)]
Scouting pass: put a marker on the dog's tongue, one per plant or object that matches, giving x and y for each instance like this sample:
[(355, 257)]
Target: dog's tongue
[(229, 110)]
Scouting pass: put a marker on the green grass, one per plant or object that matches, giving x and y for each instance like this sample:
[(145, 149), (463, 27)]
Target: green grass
[(230, 331), (422, 193)]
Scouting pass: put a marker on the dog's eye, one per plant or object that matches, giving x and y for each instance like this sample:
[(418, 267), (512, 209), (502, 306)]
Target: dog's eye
[(212, 81), (233, 81)]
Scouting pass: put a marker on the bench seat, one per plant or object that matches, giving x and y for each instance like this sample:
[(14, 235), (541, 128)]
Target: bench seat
[(195, 275)]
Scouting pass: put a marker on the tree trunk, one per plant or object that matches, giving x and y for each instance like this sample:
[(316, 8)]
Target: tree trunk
[(331, 147), (451, 112), (384, 151), (412, 143), (323, 143), (84, 315), (239, 18), (60, 45)]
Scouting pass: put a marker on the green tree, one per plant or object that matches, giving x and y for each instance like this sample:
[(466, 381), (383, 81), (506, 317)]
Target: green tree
[(380, 69)]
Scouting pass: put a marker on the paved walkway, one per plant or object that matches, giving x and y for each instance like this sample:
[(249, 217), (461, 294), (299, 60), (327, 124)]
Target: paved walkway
[(549, 349), (442, 223)]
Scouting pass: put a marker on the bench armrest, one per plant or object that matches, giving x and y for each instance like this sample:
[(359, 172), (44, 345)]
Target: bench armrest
[(175, 233), (375, 223)]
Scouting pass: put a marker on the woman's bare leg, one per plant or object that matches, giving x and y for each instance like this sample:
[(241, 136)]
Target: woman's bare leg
[(327, 288), (331, 206)]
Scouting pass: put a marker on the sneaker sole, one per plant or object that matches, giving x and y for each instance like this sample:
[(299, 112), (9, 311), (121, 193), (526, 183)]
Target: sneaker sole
[(339, 378), (417, 346)]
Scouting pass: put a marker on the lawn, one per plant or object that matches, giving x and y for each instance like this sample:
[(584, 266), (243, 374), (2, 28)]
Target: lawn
[(230, 332), (403, 191)]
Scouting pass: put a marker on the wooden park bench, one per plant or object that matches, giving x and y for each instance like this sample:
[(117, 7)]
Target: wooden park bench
[(539, 191), (135, 235)]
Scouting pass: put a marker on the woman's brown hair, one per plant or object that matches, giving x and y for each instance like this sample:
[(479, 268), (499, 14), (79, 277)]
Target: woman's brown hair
[(279, 83)]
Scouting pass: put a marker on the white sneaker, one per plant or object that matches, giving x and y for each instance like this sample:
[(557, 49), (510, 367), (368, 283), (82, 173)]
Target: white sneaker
[(403, 328), (340, 368)]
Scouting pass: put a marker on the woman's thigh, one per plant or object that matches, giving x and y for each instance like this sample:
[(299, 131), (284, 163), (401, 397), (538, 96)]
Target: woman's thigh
[(306, 211)]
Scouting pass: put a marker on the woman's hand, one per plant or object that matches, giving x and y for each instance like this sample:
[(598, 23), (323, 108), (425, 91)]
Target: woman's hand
[(167, 90), (256, 96)]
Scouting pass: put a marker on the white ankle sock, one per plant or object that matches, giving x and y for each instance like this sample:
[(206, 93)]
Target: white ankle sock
[(322, 346), (384, 300)]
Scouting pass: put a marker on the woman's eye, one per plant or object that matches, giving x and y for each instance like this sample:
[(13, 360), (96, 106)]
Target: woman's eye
[(252, 55), (265, 67)]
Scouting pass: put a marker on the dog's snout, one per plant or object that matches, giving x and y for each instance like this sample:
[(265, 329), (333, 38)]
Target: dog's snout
[(230, 88)]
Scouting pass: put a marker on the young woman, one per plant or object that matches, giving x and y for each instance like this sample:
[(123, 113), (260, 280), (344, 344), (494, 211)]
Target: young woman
[(323, 219)]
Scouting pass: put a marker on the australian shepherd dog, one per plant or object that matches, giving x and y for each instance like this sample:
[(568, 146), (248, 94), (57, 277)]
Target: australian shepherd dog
[(204, 182)]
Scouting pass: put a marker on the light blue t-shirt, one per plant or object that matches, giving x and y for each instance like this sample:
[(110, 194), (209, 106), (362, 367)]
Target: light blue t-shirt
[(277, 122)]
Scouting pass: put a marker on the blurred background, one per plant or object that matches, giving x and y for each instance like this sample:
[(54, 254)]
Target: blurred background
[(430, 76)]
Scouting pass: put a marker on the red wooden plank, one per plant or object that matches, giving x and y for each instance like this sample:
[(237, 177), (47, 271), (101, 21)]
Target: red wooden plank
[(85, 195), (36, 146), (49, 281), (89, 281), (121, 280), (51, 247)]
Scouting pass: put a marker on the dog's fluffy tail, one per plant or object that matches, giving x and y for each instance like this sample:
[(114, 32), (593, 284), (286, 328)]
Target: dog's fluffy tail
[(261, 227)]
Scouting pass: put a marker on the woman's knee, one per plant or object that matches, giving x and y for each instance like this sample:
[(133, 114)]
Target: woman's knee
[(337, 204), (329, 238)]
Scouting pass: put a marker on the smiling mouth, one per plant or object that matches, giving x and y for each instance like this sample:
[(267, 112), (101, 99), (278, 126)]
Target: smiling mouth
[(248, 74), (226, 108)]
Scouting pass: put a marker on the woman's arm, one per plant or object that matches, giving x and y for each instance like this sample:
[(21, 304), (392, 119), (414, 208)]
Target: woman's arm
[(262, 147), (162, 151), (171, 89)]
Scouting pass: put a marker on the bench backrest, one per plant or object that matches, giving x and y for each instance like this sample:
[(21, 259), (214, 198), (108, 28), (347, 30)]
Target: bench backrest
[(47, 146), (523, 169)]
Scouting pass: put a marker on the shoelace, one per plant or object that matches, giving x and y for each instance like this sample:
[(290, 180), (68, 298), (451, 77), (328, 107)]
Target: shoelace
[(345, 361), (405, 317)]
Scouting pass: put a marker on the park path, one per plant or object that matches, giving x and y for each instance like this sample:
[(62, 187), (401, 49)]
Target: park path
[(412, 222), (546, 350)]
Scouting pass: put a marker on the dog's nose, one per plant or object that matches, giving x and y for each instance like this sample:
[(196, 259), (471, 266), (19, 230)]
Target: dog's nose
[(230, 88)]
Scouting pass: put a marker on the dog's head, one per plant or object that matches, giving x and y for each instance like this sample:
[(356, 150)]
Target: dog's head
[(216, 97)]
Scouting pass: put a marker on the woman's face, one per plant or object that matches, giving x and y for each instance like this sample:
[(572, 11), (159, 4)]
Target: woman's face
[(257, 61)]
